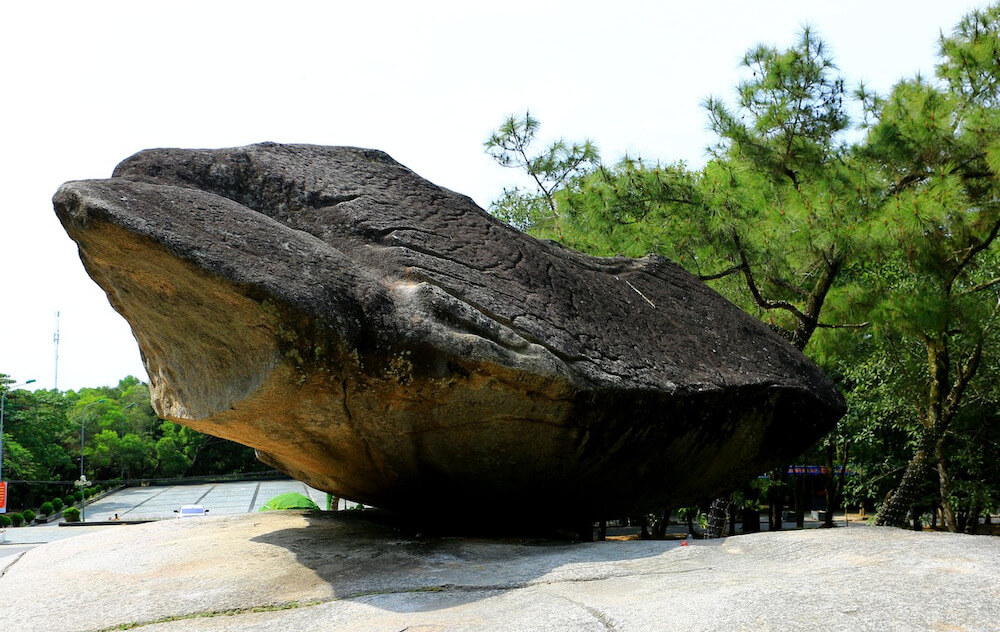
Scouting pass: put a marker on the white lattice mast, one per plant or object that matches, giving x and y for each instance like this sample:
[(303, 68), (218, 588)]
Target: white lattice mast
[(55, 339)]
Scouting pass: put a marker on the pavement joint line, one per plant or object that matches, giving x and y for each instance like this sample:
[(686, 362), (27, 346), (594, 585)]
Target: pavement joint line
[(254, 499), (137, 505), (200, 498)]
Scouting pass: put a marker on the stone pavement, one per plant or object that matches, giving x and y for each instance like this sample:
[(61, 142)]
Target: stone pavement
[(158, 502), (292, 570)]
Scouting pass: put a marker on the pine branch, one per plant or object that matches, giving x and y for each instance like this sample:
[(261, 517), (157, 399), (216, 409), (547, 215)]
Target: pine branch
[(719, 275), (788, 286), (965, 375), (538, 182), (842, 325), (973, 250), (907, 181), (755, 292), (982, 286)]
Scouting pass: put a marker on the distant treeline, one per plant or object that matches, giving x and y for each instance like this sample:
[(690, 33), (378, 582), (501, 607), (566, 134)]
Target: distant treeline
[(123, 440)]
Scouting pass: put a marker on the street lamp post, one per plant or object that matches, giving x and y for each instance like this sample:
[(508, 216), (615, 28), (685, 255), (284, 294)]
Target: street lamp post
[(3, 402), (83, 483)]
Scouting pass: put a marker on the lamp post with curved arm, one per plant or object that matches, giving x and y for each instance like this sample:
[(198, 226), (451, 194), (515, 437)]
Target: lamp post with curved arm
[(3, 402), (83, 483)]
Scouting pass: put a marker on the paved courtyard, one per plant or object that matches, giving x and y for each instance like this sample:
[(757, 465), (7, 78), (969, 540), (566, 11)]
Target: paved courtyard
[(157, 503), (152, 503)]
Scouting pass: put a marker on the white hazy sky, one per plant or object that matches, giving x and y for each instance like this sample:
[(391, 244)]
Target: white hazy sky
[(86, 84)]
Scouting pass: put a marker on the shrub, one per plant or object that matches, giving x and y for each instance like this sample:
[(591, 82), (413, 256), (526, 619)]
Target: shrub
[(28, 516), (57, 504), (5, 521), (78, 496), (71, 515), (16, 518), (46, 509)]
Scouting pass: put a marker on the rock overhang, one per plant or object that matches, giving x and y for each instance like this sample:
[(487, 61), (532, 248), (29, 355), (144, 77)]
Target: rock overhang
[(376, 335)]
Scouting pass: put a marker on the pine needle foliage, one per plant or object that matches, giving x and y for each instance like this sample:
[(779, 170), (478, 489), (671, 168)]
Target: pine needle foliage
[(869, 241)]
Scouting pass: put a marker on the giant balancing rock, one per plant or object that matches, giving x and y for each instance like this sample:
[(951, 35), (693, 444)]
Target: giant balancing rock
[(386, 340)]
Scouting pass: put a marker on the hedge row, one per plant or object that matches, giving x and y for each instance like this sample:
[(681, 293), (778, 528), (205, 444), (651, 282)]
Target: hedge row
[(49, 507)]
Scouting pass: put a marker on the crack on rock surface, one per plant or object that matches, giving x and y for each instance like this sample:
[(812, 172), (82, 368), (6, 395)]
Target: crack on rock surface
[(10, 564), (385, 339)]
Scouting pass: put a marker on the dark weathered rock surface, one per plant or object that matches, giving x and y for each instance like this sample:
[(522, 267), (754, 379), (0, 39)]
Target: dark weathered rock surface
[(385, 339)]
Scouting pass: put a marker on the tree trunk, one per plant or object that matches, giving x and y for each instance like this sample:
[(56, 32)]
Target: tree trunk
[(751, 520), (776, 498), (660, 531), (800, 501), (972, 525), (899, 502), (944, 486), (716, 518)]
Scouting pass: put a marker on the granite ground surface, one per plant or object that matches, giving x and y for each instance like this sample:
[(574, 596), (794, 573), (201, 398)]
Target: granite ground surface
[(293, 570)]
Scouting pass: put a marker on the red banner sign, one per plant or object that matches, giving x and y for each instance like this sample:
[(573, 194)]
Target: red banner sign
[(3, 496)]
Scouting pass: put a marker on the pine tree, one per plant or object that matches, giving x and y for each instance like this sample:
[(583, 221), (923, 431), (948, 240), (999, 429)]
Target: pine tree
[(939, 143)]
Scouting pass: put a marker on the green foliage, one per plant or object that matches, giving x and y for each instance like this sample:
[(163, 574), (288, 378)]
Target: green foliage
[(871, 244), (969, 57), (46, 509), (71, 514), (774, 219), (5, 521), (57, 504), (16, 518), (172, 459), (290, 500), (124, 439), (28, 515), (549, 170), (936, 142)]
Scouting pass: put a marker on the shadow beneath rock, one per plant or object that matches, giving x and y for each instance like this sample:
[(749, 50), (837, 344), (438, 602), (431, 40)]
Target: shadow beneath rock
[(369, 554)]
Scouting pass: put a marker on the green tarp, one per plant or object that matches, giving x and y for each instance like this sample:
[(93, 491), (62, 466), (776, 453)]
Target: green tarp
[(291, 500)]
